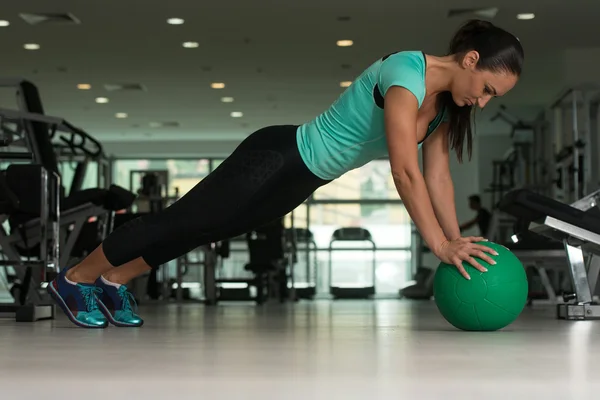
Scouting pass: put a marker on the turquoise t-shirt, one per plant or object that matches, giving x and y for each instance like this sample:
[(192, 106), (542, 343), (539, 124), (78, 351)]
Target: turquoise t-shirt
[(351, 132)]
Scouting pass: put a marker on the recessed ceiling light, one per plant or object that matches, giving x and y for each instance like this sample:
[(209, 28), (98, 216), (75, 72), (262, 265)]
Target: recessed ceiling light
[(101, 100), (121, 115), (237, 114), (217, 85), (190, 45), (175, 21), (345, 43), (526, 16), (4, 23), (31, 46), (84, 86), (345, 83), (227, 99)]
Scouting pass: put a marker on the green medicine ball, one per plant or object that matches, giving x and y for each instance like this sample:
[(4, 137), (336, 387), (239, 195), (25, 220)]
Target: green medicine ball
[(490, 300)]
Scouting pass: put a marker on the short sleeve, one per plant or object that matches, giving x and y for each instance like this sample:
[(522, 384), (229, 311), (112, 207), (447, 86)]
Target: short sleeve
[(406, 69)]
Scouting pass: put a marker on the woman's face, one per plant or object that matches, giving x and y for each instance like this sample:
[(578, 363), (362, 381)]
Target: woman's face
[(475, 87)]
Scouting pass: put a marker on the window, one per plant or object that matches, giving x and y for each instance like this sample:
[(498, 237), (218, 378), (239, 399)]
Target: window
[(372, 181), (183, 175), (215, 163), (67, 172), (390, 227)]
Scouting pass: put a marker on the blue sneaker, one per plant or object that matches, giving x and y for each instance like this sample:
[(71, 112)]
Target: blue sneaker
[(115, 304), (78, 301)]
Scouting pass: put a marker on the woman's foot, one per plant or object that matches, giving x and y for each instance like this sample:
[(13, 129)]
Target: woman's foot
[(78, 301), (116, 304)]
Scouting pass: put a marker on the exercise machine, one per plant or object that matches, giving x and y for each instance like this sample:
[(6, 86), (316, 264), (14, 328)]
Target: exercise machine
[(573, 124), (152, 187), (513, 170), (267, 265), (29, 130), (30, 303), (343, 290), (577, 227), (302, 241)]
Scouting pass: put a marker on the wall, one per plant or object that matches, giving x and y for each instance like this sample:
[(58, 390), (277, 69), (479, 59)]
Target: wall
[(581, 66), (173, 149)]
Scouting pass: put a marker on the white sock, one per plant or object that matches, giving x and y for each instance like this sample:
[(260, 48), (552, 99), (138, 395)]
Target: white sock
[(109, 283), (68, 281)]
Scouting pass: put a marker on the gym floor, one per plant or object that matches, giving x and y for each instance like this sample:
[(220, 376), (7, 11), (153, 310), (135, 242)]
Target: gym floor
[(309, 350)]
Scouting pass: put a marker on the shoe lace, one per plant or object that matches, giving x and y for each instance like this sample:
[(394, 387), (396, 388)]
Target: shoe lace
[(89, 294), (127, 298)]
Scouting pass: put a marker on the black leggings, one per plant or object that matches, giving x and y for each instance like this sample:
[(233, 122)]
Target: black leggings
[(262, 180)]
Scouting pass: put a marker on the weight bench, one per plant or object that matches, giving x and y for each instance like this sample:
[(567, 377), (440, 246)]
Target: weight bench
[(577, 226)]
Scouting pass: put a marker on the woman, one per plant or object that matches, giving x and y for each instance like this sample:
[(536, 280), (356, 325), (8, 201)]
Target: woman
[(402, 102)]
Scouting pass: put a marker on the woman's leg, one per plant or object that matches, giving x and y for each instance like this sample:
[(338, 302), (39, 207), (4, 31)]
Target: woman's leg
[(125, 273), (264, 179)]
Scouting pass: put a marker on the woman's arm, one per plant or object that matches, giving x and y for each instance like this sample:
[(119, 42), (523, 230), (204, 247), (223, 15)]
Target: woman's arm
[(436, 171), (401, 108)]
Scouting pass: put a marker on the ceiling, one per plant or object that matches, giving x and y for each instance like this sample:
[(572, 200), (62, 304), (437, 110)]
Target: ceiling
[(278, 59)]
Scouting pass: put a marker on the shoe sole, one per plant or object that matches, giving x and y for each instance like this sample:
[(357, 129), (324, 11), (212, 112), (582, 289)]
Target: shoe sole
[(61, 303), (113, 321)]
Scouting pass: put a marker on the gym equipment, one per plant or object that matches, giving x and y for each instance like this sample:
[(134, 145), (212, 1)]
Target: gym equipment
[(513, 170), (577, 226), (152, 187), (267, 263), (573, 122), (488, 301), (422, 288), (544, 262), (29, 128), (302, 240), (30, 303), (346, 290)]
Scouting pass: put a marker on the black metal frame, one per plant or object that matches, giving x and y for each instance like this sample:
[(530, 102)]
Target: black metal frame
[(34, 304)]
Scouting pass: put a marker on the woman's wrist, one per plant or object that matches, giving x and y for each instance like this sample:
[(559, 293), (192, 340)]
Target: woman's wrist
[(440, 245)]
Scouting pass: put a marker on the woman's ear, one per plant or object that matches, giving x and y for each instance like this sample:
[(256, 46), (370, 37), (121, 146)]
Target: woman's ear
[(470, 60)]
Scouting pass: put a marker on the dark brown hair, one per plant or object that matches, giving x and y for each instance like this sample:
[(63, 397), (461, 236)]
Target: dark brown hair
[(499, 51)]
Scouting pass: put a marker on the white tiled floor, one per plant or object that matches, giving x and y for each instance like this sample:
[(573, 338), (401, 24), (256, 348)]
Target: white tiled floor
[(310, 350)]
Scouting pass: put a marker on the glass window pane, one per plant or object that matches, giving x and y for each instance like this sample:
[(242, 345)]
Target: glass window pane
[(91, 176), (67, 172), (300, 217), (216, 162), (183, 174), (372, 181), (391, 230), (122, 169)]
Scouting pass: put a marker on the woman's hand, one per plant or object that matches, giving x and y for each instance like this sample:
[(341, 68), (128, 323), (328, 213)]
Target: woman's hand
[(464, 249)]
